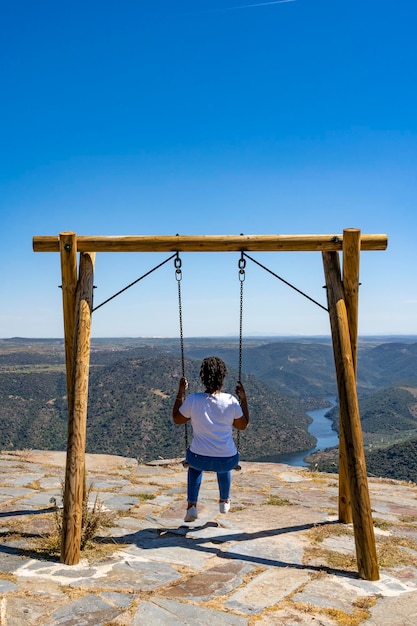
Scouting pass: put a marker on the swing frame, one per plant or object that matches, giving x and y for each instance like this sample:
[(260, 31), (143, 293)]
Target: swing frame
[(342, 296)]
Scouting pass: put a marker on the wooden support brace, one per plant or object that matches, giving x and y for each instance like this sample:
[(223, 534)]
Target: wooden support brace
[(74, 490), (68, 252), (349, 408), (351, 260)]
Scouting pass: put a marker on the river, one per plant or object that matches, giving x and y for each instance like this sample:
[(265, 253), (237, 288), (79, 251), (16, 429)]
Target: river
[(321, 429)]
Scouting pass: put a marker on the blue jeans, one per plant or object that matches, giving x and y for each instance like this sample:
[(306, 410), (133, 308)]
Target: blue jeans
[(221, 465)]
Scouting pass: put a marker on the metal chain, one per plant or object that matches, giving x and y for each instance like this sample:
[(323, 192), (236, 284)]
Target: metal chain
[(178, 277), (242, 276)]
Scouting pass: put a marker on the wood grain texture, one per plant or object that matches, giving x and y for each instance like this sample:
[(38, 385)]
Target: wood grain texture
[(74, 490), (210, 243), (349, 409), (68, 253), (351, 263)]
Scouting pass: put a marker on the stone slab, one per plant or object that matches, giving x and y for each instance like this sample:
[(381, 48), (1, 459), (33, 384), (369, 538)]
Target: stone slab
[(394, 611), (266, 589), (331, 595), (134, 575), (29, 610), (90, 610), (10, 561), (173, 552), (13, 493), (218, 580), (118, 503), (94, 462), (20, 480), (121, 600), (290, 616), (43, 498), (163, 612), (7, 585), (280, 551)]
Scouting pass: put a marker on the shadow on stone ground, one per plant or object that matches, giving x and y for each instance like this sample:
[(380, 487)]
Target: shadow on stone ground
[(278, 557)]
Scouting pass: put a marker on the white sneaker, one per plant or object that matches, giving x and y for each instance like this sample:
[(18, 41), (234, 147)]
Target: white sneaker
[(224, 507), (191, 514)]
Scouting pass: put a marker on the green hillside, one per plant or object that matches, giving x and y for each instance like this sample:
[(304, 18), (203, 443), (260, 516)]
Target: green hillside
[(398, 461), (292, 368), (33, 410), (129, 412), (306, 369), (387, 412), (133, 383)]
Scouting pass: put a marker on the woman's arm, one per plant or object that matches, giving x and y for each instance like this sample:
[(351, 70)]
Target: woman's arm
[(241, 422), (177, 416)]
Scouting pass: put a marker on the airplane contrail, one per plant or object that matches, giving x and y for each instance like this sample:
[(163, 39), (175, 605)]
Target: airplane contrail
[(246, 6), (258, 4)]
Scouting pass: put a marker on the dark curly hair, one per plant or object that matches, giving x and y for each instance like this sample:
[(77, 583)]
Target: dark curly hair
[(212, 373)]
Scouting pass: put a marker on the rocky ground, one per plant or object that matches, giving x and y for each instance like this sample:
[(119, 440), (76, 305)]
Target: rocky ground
[(278, 557)]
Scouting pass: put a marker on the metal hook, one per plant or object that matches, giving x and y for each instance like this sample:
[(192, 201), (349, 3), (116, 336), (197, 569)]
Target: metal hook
[(242, 265), (178, 264)]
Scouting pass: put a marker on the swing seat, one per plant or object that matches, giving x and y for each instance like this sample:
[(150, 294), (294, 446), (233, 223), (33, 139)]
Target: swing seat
[(187, 465)]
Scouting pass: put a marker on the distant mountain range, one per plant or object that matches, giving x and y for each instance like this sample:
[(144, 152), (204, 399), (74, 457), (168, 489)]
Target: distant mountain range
[(133, 384)]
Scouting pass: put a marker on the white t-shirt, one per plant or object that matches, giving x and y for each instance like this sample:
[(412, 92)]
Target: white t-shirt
[(212, 416)]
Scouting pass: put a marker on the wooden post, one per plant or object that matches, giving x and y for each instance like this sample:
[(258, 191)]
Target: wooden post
[(77, 419), (346, 382), (351, 258), (68, 252), (351, 261)]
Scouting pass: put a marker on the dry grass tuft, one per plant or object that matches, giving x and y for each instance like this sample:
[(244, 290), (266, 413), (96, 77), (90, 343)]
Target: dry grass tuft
[(346, 619), (238, 507), (381, 524), (275, 500), (34, 485), (365, 602), (10, 577), (314, 474), (94, 518), (408, 519), (319, 533), (329, 558), (145, 496), (395, 551)]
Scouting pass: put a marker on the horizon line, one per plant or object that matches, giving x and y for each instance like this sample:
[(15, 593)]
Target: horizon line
[(231, 336)]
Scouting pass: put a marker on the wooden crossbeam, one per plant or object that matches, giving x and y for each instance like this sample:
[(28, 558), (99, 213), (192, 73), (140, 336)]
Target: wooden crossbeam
[(211, 243)]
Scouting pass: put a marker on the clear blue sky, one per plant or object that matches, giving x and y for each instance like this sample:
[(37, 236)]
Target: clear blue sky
[(207, 117)]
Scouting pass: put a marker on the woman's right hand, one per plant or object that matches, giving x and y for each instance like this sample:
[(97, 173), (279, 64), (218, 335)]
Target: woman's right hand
[(183, 385), (240, 391)]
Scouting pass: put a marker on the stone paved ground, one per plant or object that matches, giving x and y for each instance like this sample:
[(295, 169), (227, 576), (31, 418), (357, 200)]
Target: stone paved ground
[(278, 557)]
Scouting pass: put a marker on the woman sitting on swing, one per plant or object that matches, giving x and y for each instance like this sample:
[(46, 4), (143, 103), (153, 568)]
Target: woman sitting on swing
[(213, 415)]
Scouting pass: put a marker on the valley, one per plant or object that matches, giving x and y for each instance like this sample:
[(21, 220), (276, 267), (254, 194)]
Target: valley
[(133, 382)]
